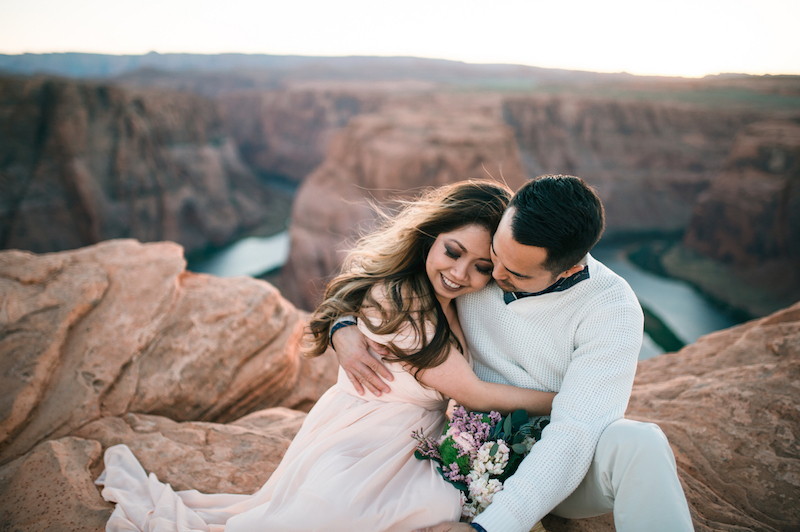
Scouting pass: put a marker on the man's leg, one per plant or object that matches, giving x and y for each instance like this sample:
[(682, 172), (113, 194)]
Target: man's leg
[(634, 475)]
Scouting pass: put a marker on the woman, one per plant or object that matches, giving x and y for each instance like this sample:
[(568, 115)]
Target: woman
[(351, 465)]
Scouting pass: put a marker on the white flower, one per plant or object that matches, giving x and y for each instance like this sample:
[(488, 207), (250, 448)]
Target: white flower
[(528, 442), (469, 510), (484, 462), (482, 489)]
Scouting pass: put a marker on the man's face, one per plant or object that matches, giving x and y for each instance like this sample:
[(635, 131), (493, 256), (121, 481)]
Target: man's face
[(517, 267)]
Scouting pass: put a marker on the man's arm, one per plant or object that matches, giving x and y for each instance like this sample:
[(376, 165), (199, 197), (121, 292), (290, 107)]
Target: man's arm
[(363, 370), (594, 393)]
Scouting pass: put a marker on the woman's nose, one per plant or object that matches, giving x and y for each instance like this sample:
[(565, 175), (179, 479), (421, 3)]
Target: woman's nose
[(459, 271)]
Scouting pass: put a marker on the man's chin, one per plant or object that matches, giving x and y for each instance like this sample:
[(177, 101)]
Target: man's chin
[(506, 287)]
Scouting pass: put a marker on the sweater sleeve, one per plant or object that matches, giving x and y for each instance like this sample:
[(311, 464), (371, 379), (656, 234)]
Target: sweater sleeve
[(594, 393)]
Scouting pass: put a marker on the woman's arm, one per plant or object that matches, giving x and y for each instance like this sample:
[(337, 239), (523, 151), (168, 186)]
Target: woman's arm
[(455, 379)]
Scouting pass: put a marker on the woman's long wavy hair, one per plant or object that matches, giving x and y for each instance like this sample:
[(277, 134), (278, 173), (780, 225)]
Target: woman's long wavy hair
[(394, 255)]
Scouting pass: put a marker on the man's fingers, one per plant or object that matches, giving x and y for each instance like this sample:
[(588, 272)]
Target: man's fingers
[(363, 378), (378, 348), (376, 365), (370, 385), (355, 381), (372, 376)]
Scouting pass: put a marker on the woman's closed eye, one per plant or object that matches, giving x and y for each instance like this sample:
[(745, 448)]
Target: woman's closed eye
[(455, 255), (484, 270)]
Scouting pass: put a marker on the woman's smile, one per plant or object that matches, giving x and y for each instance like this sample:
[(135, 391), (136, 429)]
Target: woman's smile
[(458, 262)]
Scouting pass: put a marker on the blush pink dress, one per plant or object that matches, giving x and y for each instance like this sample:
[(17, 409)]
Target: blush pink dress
[(351, 467)]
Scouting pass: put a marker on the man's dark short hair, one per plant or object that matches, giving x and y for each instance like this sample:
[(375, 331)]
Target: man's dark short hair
[(562, 214)]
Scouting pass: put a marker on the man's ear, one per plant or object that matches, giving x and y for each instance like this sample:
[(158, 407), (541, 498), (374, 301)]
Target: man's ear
[(572, 271)]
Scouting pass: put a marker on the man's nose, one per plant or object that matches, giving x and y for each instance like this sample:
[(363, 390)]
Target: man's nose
[(499, 272)]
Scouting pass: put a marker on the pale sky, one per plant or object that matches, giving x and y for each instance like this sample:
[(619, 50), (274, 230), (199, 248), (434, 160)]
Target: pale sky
[(675, 38)]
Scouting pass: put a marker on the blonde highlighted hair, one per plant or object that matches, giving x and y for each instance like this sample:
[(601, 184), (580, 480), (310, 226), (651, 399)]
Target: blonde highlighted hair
[(393, 258)]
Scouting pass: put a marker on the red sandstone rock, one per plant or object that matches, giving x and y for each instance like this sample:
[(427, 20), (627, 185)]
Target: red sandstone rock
[(238, 457), (122, 327), (51, 488), (382, 157), (84, 163)]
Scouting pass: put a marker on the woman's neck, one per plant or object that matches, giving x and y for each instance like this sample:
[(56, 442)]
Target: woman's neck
[(445, 302)]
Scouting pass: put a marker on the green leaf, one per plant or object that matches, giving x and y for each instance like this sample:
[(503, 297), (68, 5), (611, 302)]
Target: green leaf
[(518, 438), (538, 426), (498, 429), (494, 449), (519, 448), (519, 418), (507, 425)]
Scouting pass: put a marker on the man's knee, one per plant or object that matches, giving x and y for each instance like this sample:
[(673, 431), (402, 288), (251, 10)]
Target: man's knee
[(630, 438)]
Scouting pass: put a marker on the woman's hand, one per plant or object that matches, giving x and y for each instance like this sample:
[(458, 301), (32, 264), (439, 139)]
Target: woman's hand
[(363, 369)]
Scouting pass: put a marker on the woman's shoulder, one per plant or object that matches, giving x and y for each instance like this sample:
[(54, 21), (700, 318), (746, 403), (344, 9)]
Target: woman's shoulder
[(398, 296)]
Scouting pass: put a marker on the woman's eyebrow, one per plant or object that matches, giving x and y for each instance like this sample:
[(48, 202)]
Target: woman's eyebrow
[(459, 244)]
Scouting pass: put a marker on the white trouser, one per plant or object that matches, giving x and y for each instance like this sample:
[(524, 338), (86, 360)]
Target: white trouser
[(633, 474)]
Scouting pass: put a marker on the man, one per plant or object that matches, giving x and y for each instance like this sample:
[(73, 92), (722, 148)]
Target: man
[(559, 320)]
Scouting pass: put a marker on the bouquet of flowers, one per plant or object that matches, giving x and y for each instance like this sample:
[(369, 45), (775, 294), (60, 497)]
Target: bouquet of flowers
[(479, 451)]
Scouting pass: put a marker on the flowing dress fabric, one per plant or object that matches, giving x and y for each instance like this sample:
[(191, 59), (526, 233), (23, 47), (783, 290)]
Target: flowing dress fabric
[(350, 467)]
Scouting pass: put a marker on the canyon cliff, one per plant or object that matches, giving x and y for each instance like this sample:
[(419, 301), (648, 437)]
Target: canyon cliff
[(748, 221), (81, 163), (383, 157), (285, 133), (648, 160), (117, 343)]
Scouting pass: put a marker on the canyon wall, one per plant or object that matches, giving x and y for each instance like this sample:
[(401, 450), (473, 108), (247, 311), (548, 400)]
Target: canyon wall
[(285, 133), (649, 161), (81, 163), (750, 216), (383, 157)]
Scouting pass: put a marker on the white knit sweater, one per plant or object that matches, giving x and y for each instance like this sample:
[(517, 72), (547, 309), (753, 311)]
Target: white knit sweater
[(583, 343)]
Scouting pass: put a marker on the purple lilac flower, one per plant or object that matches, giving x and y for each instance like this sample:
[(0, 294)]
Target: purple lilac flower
[(469, 431), (452, 473), (427, 446)]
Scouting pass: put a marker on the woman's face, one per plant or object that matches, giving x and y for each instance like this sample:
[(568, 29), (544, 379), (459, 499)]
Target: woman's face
[(459, 262)]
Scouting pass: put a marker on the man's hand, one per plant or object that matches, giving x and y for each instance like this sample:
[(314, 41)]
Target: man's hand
[(363, 369), (450, 526)]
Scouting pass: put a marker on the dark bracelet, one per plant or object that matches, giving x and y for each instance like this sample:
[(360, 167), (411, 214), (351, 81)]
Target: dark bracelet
[(477, 527), (345, 323)]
